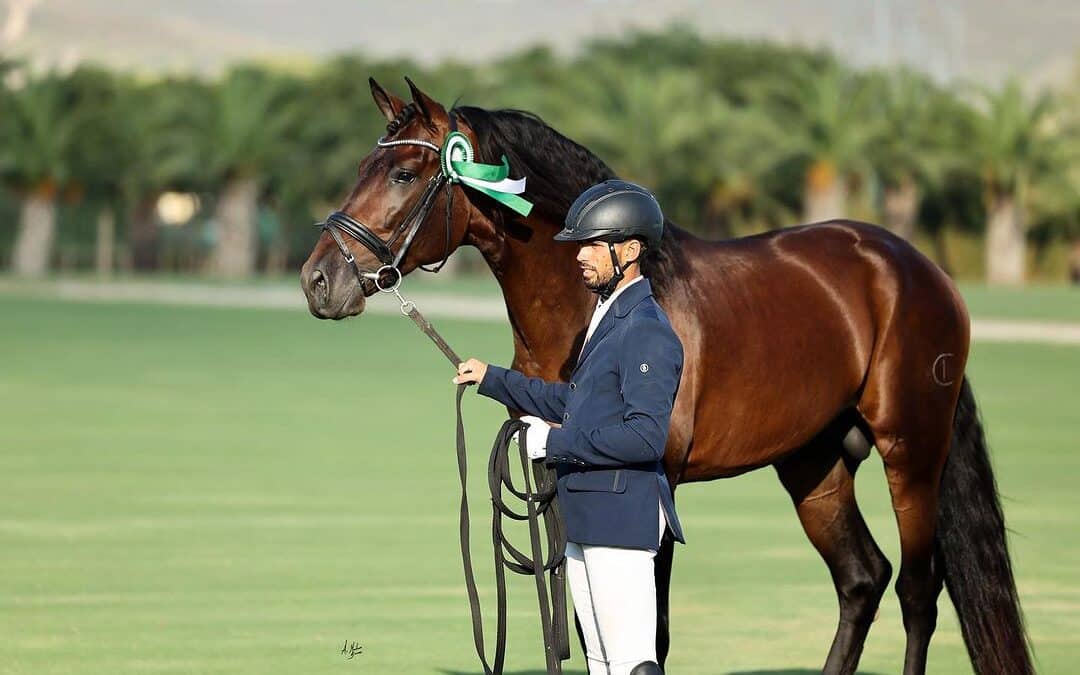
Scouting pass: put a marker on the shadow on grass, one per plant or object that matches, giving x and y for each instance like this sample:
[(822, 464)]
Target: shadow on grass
[(513, 672), (785, 671), (797, 671), (576, 672)]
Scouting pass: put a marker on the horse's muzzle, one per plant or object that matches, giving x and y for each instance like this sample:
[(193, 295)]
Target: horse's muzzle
[(330, 294)]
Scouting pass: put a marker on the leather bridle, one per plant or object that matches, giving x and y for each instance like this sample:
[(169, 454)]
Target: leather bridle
[(388, 276)]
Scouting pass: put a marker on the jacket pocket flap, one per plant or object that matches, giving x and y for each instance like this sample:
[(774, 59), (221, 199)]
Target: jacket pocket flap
[(607, 480)]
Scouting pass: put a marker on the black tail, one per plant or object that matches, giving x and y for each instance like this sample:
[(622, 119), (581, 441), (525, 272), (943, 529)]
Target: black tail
[(971, 543)]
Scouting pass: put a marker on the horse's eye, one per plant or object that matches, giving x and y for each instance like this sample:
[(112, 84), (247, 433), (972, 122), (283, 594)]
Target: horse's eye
[(404, 176)]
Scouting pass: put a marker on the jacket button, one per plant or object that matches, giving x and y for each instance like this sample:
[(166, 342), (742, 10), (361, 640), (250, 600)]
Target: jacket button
[(566, 416), (573, 386)]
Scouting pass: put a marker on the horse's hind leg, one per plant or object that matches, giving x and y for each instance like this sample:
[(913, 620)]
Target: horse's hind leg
[(910, 411), (822, 486), (914, 488)]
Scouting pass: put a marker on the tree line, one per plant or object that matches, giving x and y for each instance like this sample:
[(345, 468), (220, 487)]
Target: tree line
[(225, 175)]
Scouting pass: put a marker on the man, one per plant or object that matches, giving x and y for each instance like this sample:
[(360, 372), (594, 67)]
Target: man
[(615, 411)]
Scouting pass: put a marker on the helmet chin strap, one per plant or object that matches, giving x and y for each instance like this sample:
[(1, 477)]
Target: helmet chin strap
[(608, 288)]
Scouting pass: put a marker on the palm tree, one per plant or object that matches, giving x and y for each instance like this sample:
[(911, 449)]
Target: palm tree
[(666, 130), (1054, 214), (161, 151), (744, 172), (1068, 215), (340, 125), (37, 133), (819, 117), (246, 125), (922, 132), (101, 152), (1013, 147)]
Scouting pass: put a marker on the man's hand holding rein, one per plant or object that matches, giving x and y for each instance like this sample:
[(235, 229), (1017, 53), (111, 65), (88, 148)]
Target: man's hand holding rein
[(471, 371)]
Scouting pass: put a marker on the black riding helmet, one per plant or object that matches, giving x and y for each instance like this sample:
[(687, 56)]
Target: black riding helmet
[(614, 211)]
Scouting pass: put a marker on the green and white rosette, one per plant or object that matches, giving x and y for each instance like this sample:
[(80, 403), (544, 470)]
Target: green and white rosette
[(491, 179)]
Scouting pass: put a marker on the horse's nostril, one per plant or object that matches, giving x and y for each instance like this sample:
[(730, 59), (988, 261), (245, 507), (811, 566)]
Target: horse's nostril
[(319, 287)]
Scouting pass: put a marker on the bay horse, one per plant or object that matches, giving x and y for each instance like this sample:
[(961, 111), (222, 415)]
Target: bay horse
[(803, 347)]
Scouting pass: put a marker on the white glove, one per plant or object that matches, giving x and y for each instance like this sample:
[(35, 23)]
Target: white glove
[(535, 436)]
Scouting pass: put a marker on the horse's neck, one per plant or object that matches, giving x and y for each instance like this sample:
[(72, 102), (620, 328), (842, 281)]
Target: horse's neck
[(547, 302)]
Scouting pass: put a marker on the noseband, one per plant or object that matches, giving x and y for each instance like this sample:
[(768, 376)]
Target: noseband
[(388, 277)]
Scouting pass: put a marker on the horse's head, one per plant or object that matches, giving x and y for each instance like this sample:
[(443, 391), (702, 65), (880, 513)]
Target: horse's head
[(399, 214)]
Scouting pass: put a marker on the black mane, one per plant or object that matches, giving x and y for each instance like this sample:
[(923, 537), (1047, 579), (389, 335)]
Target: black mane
[(557, 171)]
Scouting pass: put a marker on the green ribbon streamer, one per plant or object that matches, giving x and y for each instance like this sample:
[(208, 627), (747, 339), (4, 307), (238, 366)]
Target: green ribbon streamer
[(484, 178)]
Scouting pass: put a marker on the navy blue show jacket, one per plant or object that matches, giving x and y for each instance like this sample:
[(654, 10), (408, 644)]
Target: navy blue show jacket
[(615, 412)]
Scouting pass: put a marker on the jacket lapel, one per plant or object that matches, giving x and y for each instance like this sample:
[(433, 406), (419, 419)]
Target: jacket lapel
[(626, 301), (602, 329)]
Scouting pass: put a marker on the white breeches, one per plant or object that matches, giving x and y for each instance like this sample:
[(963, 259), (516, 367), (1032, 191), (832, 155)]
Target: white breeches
[(614, 593)]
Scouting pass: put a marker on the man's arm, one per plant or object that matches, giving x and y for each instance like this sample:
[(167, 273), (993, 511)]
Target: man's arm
[(650, 364), (531, 395)]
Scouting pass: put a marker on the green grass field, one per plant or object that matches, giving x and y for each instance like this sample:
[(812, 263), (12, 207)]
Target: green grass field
[(190, 490)]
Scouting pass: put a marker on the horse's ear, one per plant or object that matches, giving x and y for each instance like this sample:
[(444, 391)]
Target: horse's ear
[(389, 105), (429, 107)]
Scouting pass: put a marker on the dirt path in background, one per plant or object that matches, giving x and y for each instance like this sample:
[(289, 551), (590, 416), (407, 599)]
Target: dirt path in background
[(432, 304)]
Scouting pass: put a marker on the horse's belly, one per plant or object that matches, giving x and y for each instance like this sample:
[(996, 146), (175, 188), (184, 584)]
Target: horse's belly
[(769, 380)]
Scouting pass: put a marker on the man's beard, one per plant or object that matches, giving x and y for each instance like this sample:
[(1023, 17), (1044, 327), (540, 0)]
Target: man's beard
[(597, 283)]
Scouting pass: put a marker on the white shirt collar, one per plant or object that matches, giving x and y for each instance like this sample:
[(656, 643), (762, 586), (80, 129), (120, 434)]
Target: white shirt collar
[(601, 303), (602, 308)]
